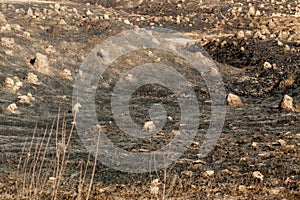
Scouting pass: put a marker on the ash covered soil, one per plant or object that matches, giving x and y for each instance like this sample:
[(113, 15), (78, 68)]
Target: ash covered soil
[(256, 46)]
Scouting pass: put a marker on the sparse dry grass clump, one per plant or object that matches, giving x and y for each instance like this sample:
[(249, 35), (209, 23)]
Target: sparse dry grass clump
[(42, 164)]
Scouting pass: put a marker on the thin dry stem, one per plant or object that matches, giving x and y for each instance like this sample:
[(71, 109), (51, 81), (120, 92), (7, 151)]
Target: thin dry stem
[(94, 166), (27, 160)]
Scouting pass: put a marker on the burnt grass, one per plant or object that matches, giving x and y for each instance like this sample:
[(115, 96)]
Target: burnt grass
[(252, 135)]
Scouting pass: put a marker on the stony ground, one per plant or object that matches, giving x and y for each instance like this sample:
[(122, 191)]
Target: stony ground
[(256, 45)]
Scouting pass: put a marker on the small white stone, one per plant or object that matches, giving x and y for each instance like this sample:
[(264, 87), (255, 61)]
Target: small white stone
[(26, 34), (281, 142), (243, 188), (75, 10), (240, 34), (267, 65), (287, 48), (8, 42), (67, 74), (89, 13), (16, 27), (62, 22), (30, 12), (149, 126), (252, 10), (12, 108), (234, 100), (258, 175), (9, 82), (154, 187), (287, 103), (50, 49), (129, 78), (257, 13), (32, 78), (178, 19), (208, 173), (254, 144), (154, 190), (26, 99), (52, 179), (106, 16), (279, 43), (18, 84), (9, 52), (126, 21)]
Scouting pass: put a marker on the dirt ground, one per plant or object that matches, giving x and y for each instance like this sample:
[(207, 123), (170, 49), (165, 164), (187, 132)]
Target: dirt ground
[(257, 155)]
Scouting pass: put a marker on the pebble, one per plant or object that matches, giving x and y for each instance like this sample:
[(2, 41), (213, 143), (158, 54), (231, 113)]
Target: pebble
[(258, 175), (129, 78), (57, 6), (26, 34), (279, 43), (66, 74), (5, 28), (267, 65), (248, 33), (287, 103), (240, 34), (8, 42), (273, 35), (187, 173), (254, 145), (36, 13), (26, 99), (50, 49), (154, 187), (12, 84), (16, 27), (257, 35), (287, 48), (88, 13), (242, 188), (271, 24), (19, 11), (62, 22), (208, 173), (9, 82), (2, 19), (29, 12), (9, 52), (257, 13), (105, 16), (234, 100), (281, 142), (12, 108), (178, 19), (126, 21), (32, 78), (252, 10), (149, 126)]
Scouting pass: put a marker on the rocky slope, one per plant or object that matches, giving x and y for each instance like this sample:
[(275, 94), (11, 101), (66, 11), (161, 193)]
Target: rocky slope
[(256, 45)]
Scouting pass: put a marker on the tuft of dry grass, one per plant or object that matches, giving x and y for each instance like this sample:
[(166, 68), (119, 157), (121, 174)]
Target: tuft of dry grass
[(40, 174)]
